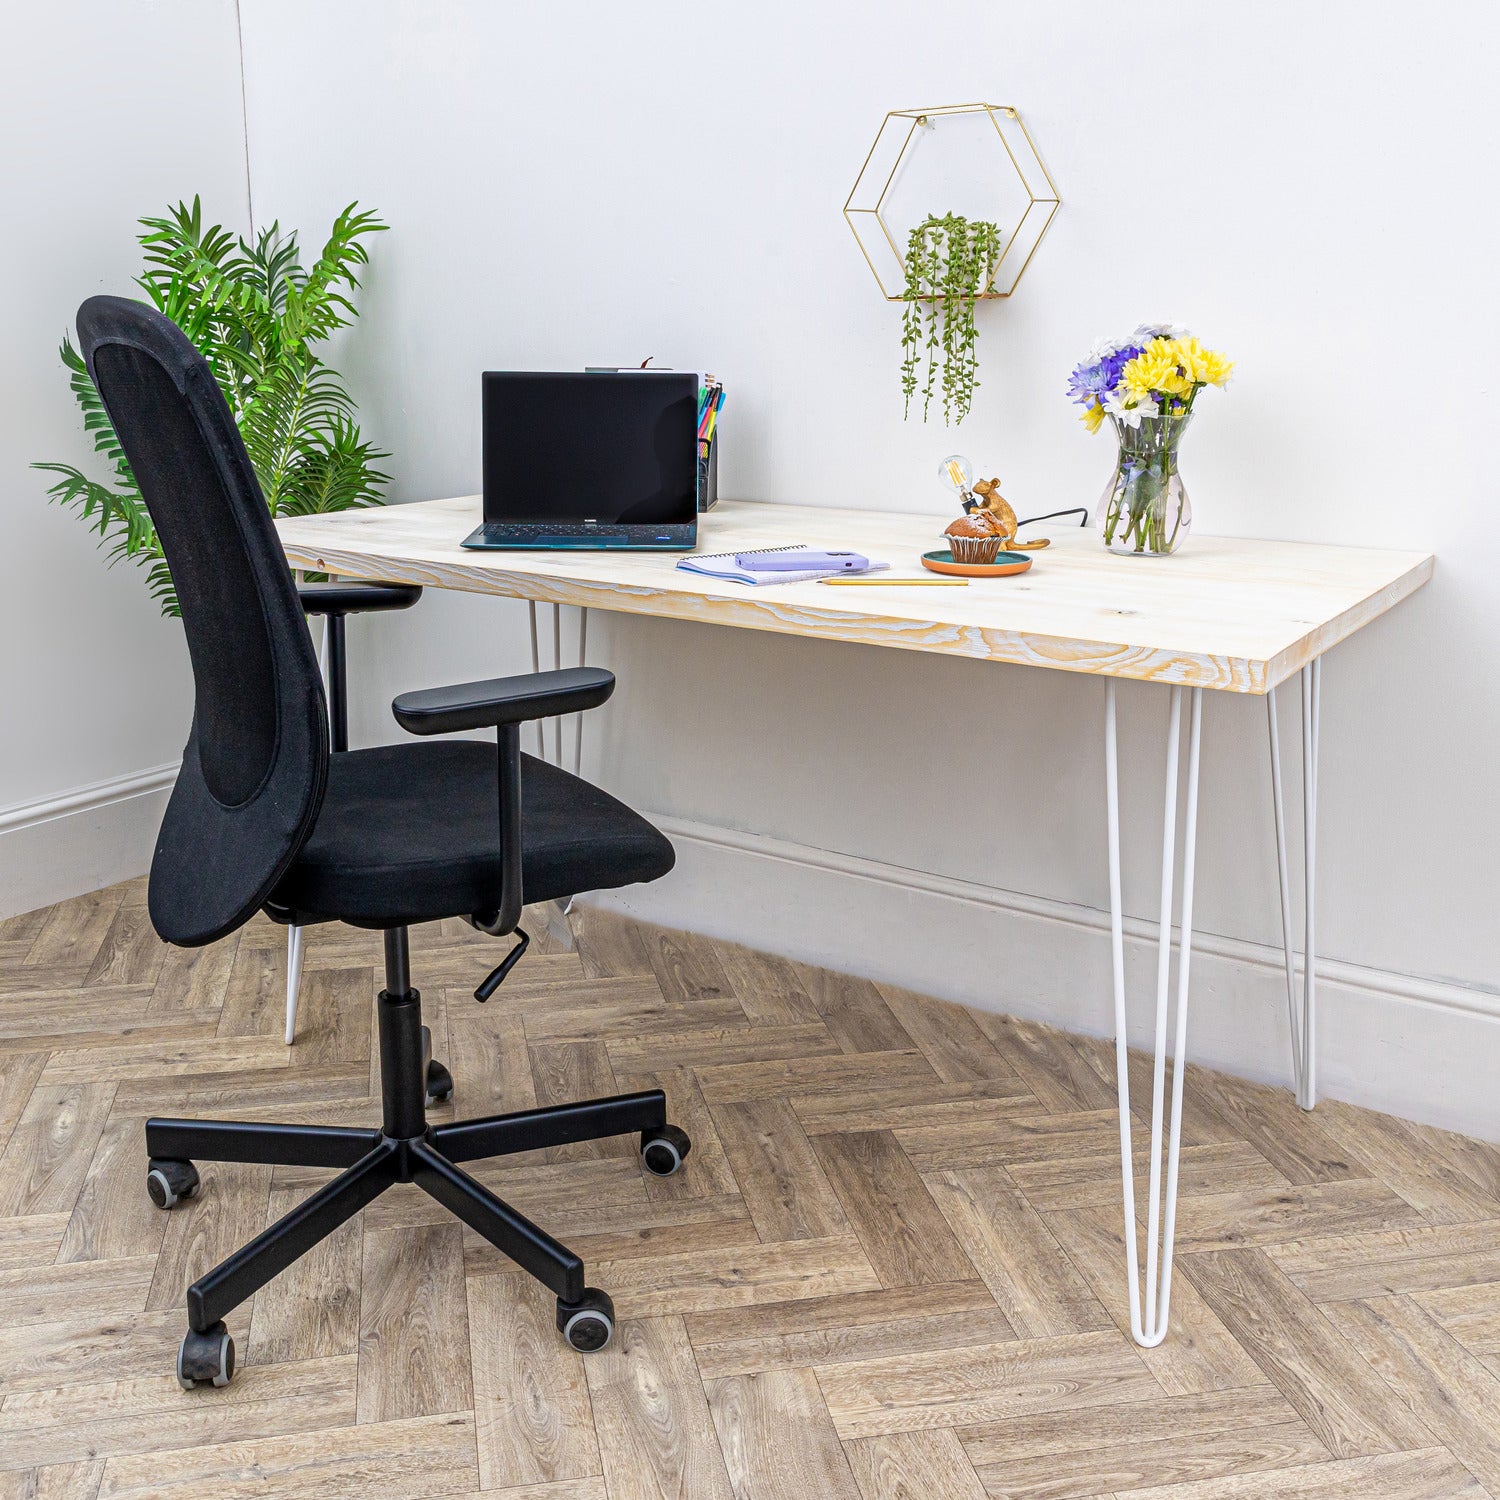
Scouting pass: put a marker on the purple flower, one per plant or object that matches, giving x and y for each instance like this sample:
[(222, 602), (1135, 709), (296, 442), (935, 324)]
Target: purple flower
[(1096, 377)]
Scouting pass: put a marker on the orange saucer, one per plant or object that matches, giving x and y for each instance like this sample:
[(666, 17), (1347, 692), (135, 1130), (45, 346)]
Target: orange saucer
[(1005, 563)]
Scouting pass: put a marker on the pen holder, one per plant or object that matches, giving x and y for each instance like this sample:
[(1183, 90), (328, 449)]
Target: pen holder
[(708, 474)]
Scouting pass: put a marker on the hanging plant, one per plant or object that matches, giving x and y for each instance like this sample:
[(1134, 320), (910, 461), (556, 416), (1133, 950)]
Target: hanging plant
[(949, 262)]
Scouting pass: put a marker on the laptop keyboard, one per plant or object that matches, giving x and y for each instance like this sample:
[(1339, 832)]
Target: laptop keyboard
[(541, 534)]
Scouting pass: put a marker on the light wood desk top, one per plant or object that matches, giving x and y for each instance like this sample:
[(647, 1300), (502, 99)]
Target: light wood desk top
[(1224, 613)]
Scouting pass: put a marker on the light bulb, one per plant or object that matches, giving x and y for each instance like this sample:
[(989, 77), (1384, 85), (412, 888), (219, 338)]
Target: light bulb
[(958, 474)]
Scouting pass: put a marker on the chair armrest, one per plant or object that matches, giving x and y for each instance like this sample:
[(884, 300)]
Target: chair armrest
[(503, 700), (356, 598), (504, 704)]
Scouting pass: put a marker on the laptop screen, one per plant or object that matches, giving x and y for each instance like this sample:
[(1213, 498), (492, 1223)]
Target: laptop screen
[(610, 448)]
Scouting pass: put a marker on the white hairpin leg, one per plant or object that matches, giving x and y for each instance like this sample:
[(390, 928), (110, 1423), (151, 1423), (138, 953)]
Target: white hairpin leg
[(1301, 1019), (1149, 1312), (293, 980), (583, 646), (556, 914), (293, 932)]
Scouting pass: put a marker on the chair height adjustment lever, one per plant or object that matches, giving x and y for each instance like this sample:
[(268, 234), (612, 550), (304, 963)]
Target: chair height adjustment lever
[(496, 977)]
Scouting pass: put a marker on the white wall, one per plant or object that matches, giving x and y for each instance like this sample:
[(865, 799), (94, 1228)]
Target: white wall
[(1295, 182), (107, 112), (1303, 185)]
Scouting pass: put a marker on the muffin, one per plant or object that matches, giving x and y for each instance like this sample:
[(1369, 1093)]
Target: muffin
[(975, 538)]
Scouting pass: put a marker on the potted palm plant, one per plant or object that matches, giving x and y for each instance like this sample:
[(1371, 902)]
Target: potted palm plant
[(259, 316)]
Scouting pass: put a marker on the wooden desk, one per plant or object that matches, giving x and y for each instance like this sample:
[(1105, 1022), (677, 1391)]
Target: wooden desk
[(1227, 615)]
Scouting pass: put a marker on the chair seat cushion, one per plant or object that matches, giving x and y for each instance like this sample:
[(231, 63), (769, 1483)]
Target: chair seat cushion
[(410, 833)]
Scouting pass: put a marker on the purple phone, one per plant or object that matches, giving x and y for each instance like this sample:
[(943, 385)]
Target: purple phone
[(801, 560)]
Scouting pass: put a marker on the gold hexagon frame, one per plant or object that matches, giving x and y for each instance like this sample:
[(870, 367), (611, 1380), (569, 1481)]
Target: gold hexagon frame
[(900, 133)]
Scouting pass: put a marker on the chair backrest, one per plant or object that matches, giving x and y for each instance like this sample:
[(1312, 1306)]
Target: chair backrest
[(256, 760)]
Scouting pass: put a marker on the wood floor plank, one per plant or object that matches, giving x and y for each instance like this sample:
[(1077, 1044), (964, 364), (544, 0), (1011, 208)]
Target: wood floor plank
[(334, 1015), (564, 1072), (777, 1439), (1291, 1138), (903, 1233), (1446, 1178), (998, 1143), (1384, 1263), (662, 1285), (1455, 1396), (228, 1211), (656, 1437), (1094, 1182), (78, 1481), (779, 1177), (829, 1330), (47, 1158), (767, 987), (413, 1325), (991, 1383), (914, 1466), (1470, 1313), (686, 967), (131, 953), (532, 1414), (488, 1058), (32, 1294), (804, 1072), (19, 1074), (193, 979), (1129, 1446), (854, 1011), (1272, 1216), (1431, 1474), (708, 1047), (111, 1345), (113, 1215), (84, 1421), (911, 1103), (31, 1239), (1325, 1377), (384, 1461), (610, 945), (1050, 1063), (949, 1038), (311, 1310), (710, 1175), (1199, 1354), (74, 929), (1009, 1244)]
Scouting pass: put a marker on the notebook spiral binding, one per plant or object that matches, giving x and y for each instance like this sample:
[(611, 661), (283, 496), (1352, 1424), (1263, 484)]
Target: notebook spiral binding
[(758, 552)]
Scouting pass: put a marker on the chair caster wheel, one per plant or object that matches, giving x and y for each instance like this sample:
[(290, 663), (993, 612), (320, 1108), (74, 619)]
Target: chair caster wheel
[(439, 1083), (169, 1182), (664, 1149), (587, 1325), (206, 1358)]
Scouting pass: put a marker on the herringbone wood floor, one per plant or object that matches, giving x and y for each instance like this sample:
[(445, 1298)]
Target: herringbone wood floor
[(891, 1267)]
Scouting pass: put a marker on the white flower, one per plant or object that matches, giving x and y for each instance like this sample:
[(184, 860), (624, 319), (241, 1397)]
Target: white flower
[(1102, 350), (1148, 331), (1114, 405)]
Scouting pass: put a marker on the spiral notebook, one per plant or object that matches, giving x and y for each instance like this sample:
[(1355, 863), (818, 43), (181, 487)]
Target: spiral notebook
[(724, 565)]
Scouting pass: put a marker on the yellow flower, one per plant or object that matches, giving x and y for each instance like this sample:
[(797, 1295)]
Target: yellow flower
[(1202, 366), (1155, 369), (1093, 417)]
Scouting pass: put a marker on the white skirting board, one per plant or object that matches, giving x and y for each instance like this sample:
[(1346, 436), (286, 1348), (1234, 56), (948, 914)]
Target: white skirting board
[(1412, 1047), (80, 840)]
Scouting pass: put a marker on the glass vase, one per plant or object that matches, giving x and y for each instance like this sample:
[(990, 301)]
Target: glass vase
[(1144, 510)]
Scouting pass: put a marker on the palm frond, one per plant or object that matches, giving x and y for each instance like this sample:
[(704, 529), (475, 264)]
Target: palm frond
[(254, 312)]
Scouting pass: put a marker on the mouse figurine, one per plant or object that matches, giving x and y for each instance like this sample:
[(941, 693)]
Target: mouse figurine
[(987, 497)]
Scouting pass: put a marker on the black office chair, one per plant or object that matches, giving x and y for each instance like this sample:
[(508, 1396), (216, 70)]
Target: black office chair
[(263, 818)]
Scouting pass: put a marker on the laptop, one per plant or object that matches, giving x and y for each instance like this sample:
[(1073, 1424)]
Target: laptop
[(590, 460)]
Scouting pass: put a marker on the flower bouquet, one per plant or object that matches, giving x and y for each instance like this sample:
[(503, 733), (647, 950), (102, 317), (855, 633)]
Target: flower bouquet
[(1146, 386)]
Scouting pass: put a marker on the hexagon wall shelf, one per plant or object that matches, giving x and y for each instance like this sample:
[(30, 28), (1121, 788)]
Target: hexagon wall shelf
[(975, 159)]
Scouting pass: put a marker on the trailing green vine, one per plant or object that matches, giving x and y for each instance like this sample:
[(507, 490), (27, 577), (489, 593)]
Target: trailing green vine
[(949, 261)]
